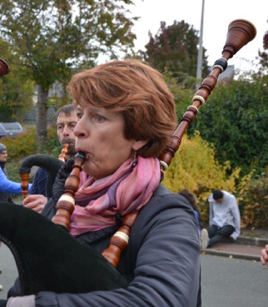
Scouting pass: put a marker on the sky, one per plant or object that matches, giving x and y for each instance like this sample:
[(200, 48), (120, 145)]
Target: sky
[(217, 17)]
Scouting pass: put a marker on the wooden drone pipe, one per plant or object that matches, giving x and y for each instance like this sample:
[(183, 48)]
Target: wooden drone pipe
[(240, 32), (66, 203)]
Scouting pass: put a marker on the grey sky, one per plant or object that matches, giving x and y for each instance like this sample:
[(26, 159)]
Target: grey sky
[(217, 16)]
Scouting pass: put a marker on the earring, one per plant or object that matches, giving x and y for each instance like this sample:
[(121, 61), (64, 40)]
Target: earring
[(135, 159)]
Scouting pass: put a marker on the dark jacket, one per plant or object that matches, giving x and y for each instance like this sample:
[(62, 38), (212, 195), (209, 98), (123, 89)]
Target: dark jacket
[(162, 259), (40, 182)]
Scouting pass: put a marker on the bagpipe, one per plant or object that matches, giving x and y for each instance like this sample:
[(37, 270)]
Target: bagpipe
[(48, 258)]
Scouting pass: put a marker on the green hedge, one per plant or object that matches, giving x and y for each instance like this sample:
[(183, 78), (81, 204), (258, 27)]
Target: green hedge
[(255, 204), (25, 145)]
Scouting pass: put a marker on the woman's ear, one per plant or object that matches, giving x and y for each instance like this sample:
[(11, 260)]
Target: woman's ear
[(139, 144)]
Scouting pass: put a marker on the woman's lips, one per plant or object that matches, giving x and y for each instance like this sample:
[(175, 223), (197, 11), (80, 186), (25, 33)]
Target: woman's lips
[(85, 153)]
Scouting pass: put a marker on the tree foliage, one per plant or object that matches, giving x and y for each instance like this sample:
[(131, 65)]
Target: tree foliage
[(255, 203), (175, 47), (194, 167), (182, 94), (25, 145), (264, 54), (53, 37), (15, 89), (235, 121)]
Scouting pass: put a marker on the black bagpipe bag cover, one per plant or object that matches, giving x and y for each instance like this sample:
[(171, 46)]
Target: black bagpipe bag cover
[(48, 258)]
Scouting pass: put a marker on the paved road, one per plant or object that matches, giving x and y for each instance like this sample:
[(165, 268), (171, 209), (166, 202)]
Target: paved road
[(8, 269), (233, 282), (225, 282)]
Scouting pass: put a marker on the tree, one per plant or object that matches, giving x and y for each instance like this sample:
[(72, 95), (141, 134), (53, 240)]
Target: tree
[(182, 94), (264, 54), (195, 168), (15, 89), (175, 48), (235, 120), (53, 37)]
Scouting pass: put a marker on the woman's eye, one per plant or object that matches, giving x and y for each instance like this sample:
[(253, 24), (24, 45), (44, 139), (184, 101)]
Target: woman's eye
[(99, 118)]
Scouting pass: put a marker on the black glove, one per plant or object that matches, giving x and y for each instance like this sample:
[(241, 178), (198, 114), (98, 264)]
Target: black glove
[(63, 173), (58, 189)]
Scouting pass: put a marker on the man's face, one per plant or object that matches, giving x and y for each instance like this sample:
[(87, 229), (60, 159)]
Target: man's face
[(65, 130), (218, 201), (3, 156)]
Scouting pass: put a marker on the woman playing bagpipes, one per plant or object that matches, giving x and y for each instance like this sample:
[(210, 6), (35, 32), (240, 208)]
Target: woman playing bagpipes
[(128, 117)]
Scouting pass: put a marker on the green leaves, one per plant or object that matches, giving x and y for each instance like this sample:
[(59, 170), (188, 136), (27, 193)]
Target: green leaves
[(50, 35), (52, 38), (174, 47), (264, 54), (195, 167), (15, 89), (255, 203), (235, 121)]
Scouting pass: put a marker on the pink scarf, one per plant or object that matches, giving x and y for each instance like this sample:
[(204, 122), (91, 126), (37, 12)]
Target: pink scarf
[(98, 201)]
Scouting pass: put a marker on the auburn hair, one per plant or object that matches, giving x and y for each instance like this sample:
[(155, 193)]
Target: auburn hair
[(136, 90)]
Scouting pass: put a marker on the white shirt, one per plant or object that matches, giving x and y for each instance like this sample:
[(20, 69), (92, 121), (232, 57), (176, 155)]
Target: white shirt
[(225, 213)]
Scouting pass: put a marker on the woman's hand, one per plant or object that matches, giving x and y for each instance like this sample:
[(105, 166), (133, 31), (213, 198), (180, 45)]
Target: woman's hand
[(35, 202), (264, 255)]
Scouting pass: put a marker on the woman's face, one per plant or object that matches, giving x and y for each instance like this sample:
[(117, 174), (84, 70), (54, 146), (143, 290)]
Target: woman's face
[(100, 135)]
